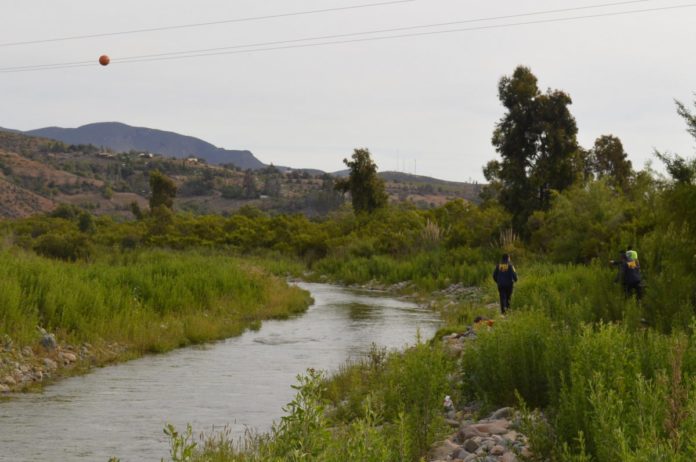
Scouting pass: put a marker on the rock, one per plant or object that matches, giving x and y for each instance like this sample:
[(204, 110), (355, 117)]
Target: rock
[(452, 423), (497, 450), (511, 436), (68, 357), (27, 351), (4, 388), (509, 457), (48, 341), (469, 431), (470, 445), (443, 450), (50, 364), (461, 454), (502, 413), (7, 343), (496, 427), (9, 380)]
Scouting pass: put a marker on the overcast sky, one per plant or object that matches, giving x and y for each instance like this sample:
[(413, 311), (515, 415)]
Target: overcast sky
[(426, 103)]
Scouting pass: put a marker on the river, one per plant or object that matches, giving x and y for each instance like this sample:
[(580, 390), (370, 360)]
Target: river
[(240, 383)]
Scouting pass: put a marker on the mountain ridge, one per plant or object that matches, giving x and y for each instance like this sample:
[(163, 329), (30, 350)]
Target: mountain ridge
[(122, 137)]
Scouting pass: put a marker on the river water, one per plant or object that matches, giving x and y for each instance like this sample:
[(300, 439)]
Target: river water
[(242, 382)]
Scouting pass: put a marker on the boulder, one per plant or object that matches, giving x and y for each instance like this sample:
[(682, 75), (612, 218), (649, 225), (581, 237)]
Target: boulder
[(50, 364), (502, 413), (496, 427), (443, 450), (67, 358), (48, 341), (470, 445)]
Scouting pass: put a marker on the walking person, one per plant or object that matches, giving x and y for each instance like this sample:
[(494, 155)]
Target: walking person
[(505, 276), (632, 279)]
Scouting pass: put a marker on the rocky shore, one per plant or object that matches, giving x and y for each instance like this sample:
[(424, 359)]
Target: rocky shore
[(494, 439), (27, 367)]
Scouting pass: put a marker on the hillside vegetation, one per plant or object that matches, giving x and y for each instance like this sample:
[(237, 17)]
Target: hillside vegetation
[(38, 174)]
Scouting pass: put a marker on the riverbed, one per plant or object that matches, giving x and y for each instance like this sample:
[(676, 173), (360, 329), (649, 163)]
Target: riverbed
[(240, 383)]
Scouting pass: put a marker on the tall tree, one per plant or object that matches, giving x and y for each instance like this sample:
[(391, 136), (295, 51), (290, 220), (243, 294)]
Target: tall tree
[(249, 188), (607, 159), (537, 143), (162, 189), (365, 187)]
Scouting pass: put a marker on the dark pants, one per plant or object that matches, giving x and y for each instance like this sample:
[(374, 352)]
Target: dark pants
[(505, 296), (636, 288)]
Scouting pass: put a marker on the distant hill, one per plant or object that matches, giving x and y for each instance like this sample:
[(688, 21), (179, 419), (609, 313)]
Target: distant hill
[(122, 138), (38, 174)]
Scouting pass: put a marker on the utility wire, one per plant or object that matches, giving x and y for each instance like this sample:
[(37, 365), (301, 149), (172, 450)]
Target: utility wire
[(281, 15), (249, 49), (204, 24), (334, 36)]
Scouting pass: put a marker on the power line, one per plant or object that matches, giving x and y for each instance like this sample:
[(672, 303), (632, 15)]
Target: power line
[(204, 24), (236, 49), (330, 37), (281, 15)]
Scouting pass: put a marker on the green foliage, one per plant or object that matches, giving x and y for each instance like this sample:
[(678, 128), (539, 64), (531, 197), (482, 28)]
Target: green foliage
[(70, 246), (611, 388), (416, 382), (249, 189), (521, 357), (396, 413), (302, 433), (365, 187), (151, 301), (608, 159), (688, 116), (467, 225), (162, 190), (583, 223), (536, 139), (181, 445)]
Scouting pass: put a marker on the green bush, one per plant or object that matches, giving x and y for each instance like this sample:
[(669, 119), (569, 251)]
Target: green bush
[(70, 246)]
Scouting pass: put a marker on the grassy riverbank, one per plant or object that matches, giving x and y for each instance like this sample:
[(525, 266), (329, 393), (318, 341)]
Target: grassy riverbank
[(126, 304), (614, 379)]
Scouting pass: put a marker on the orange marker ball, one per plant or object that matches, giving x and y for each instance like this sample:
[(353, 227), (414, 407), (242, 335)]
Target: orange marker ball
[(104, 60)]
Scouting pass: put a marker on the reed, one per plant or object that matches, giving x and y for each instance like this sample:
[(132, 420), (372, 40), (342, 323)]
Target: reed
[(150, 301)]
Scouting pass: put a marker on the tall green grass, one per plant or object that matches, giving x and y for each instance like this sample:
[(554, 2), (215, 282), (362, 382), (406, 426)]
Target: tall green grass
[(612, 387), (151, 300), (426, 270)]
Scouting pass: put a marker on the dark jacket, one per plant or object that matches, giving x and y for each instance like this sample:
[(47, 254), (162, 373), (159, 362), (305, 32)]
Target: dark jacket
[(504, 275), (631, 272)]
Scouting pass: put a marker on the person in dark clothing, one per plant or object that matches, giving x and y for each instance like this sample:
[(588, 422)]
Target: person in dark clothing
[(619, 264), (632, 279), (505, 276)]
